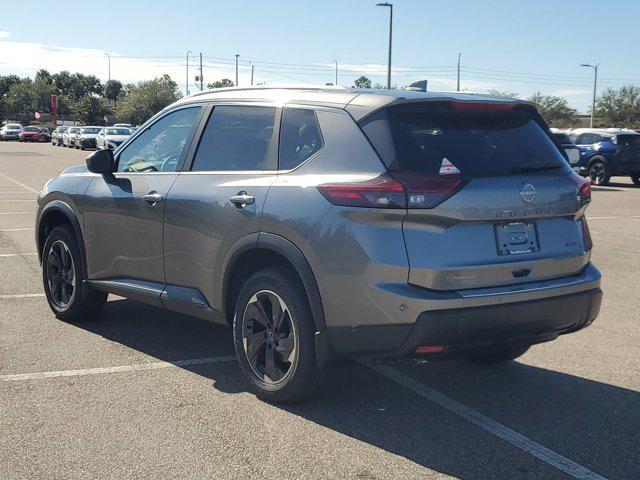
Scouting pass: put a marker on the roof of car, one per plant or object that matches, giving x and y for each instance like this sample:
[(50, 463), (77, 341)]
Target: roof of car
[(605, 131), (359, 102)]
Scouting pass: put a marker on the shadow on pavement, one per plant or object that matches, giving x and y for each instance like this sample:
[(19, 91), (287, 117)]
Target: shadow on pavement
[(592, 423)]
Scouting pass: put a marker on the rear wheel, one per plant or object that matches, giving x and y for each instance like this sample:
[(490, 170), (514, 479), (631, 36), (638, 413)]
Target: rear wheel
[(62, 277), (497, 354), (599, 173), (635, 178), (274, 333)]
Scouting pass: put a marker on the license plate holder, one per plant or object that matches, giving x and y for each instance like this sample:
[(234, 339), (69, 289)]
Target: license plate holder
[(516, 238)]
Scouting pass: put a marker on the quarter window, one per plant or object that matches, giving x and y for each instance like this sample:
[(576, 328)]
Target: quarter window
[(236, 138), (159, 148), (300, 137)]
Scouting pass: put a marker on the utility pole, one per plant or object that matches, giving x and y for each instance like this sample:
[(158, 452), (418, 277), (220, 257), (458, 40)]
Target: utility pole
[(201, 81), (336, 62), (237, 55), (387, 4), (459, 55), (595, 85), (252, 65), (187, 85)]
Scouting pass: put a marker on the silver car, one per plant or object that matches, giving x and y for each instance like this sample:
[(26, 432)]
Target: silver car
[(325, 224), (69, 136)]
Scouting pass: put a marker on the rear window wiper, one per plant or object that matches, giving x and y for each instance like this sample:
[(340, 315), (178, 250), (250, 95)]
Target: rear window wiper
[(534, 168)]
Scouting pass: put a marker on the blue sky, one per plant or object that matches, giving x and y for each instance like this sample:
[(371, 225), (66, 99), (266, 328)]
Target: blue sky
[(507, 45)]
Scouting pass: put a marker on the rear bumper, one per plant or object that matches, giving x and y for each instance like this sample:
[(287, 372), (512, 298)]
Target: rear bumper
[(519, 320)]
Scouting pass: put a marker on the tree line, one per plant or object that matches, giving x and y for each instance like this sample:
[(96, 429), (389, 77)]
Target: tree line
[(83, 98)]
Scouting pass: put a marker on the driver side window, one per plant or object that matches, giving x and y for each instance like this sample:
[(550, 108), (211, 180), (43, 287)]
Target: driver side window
[(159, 148)]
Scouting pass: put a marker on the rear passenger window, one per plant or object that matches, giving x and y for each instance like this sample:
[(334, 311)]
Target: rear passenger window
[(300, 137), (236, 138)]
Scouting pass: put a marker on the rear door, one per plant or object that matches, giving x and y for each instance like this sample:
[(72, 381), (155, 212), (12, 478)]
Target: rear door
[(629, 146), (491, 200), (219, 197)]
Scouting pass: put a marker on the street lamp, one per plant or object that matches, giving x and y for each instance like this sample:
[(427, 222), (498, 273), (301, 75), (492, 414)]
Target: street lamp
[(386, 4), (109, 72), (595, 83), (237, 55), (187, 85), (336, 62)]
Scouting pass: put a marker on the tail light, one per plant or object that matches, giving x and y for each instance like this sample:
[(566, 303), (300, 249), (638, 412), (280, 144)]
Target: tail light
[(400, 190), (584, 188), (586, 235)]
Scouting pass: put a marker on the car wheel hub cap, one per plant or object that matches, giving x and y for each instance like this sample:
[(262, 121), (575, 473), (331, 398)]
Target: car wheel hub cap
[(269, 337), (61, 276)]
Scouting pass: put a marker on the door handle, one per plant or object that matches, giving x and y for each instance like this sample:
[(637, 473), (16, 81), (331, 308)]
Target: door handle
[(152, 198), (242, 199)]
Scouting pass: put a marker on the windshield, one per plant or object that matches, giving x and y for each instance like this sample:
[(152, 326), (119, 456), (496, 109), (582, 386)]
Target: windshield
[(12, 126), (438, 139), (74, 130), (32, 129), (118, 131), (61, 129), (90, 130)]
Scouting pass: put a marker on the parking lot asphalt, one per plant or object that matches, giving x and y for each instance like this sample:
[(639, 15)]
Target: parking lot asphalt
[(144, 393)]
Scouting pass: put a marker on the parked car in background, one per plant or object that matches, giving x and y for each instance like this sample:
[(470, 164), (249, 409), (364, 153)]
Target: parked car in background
[(11, 131), (32, 134), (69, 136), (606, 153), (570, 148), (122, 125), (328, 223), (111, 137), (56, 136), (86, 137), (46, 133)]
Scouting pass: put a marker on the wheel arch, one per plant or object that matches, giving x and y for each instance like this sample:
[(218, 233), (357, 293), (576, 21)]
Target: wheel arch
[(257, 251), (53, 214)]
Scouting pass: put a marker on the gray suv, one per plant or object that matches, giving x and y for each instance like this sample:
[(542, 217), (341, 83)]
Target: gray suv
[(325, 224)]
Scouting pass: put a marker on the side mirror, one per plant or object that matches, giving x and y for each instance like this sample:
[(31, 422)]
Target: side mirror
[(101, 161)]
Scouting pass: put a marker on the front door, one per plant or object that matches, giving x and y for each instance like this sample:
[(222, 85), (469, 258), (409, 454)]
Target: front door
[(124, 212)]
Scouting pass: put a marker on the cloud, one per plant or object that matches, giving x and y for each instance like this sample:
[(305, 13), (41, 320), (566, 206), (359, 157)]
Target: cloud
[(571, 92), (4, 34)]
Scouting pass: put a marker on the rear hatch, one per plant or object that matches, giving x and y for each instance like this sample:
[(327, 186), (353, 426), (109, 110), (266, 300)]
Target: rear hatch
[(490, 198)]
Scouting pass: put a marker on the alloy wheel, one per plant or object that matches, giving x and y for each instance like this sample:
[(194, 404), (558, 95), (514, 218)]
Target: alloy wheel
[(61, 274), (269, 337)]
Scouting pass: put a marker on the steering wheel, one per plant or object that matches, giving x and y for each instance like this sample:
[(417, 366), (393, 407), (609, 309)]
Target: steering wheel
[(170, 163)]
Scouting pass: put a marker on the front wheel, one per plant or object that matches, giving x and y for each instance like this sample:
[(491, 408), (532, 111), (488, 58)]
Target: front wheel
[(274, 332), (494, 355), (599, 173), (63, 277)]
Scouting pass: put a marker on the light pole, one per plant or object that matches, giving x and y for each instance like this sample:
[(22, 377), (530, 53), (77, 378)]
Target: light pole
[(595, 84), (336, 62), (459, 55), (187, 85), (237, 55), (387, 4), (109, 74)]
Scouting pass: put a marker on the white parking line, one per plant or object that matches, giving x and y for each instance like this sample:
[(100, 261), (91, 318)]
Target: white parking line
[(122, 368), (16, 229), (16, 182), (495, 428), (14, 213), (8, 255), (22, 295)]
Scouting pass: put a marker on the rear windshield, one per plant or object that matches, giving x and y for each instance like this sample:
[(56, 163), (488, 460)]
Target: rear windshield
[(437, 139), (561, 138), (31, 129), (90, 130)]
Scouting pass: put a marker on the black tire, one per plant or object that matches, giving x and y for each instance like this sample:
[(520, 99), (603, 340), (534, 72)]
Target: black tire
[(599, 173), (497, 354), (635, 178), (80, 303), (301, 376)]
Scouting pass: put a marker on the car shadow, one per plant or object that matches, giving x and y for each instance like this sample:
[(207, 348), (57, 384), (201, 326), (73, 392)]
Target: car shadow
[(606, 189), (592, 423)]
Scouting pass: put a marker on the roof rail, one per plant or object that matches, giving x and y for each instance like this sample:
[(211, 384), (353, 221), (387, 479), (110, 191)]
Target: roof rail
[(275, 86)]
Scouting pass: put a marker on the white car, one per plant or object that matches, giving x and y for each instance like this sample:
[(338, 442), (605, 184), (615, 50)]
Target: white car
[(122, 125), (111, 137), (69, 136), (11, 131)]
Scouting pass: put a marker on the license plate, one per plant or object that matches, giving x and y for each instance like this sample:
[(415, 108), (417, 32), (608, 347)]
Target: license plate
[(515, 238)]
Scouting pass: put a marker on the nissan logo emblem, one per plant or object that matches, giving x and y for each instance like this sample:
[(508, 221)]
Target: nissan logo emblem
[(528, 193)]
